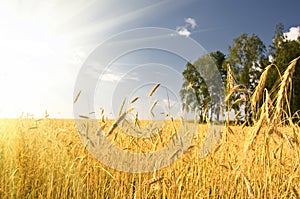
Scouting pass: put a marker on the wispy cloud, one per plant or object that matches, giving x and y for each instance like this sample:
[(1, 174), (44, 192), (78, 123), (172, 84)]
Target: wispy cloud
[(192, 22), (293, 34), (183, 31), (170, 103), (120, 16), (187, 28), (114, 77), (109, 77)]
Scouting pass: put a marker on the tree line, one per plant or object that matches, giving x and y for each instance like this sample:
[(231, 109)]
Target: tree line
[(240, 71)]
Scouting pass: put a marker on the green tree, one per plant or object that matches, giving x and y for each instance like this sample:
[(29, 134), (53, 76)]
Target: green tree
[(219, 59), (248, 58), (203, 85), (194, 92), (273, 76), (277, 39), (218, 69), (283, 51)]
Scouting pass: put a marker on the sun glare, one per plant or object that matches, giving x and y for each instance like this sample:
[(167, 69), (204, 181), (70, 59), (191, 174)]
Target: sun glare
[(43, 44), (30, 46)]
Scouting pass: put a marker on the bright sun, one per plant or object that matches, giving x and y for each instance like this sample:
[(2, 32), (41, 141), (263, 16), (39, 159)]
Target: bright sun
[(44, 43), (30, 45)]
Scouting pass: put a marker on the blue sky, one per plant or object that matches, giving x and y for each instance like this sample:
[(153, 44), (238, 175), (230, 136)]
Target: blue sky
[(45, 43)]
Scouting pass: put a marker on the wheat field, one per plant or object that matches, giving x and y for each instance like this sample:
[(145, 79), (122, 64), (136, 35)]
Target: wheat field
[(45, 158)]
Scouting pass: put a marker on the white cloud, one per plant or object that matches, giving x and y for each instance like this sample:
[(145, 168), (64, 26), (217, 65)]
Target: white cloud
[(109, 77), (77, 56), (170, 103), (293, 34), (183, 31), (186, 29), (192, 22), (113, 77)]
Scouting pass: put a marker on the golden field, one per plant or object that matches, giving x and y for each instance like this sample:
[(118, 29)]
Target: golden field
[(46, 159)]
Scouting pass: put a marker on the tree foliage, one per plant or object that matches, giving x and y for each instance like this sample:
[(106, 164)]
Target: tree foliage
[(283, 51), (194, 92), (248, 58), (203, 85)]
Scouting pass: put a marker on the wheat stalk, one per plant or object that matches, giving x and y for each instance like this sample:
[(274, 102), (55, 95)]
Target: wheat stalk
[(249, 187), (122, 106), (236, 89), (136, 120), (117, 122), (152, 107), (284, 85), (230, 78), (242, 99), (134, 100), (268, 104), (236, 115), (154, 180), (259, 88), (77, 96), (102, 115), (256, 130), (154, 89)]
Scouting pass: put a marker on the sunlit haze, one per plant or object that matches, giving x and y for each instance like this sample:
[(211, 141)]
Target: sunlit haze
[(43, 44)]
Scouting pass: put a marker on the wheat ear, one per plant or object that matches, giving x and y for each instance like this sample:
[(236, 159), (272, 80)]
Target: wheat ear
[(284, 85)]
